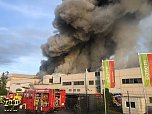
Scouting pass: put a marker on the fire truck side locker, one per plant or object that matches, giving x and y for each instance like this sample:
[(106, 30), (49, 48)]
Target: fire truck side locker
[(62, 98)]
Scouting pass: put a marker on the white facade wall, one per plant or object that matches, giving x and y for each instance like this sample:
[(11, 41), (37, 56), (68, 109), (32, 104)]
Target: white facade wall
[(46, 79), (18, 81), (139, 108), (134, 89), (70, 89), (21, 85), (55, 77), (79, 89)]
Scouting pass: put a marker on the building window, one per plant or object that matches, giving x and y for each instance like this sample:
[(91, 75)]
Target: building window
[(74, 90), (70, 90), (79, 83), (91, 82), (135, 81), (127, 81), (139, 80), (150, 99), (132, 104), (127, 104), (60, 79), (97, 81), (78, 90), (132, 81), (66, 83), (50, 80), (97, 73), (123, 81)]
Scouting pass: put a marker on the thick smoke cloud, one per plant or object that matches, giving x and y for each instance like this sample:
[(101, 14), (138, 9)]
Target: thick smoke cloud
[(92, 30)]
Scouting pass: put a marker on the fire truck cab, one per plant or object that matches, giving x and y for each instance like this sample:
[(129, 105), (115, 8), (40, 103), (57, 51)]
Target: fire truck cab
[(44, 100)]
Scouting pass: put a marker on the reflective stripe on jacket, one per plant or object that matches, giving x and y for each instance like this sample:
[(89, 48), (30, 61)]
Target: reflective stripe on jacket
[(6, 103), (10, 102), (16, 103)]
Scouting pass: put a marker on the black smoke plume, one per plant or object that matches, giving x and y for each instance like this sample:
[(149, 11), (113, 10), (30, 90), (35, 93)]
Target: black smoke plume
[(92, 30)]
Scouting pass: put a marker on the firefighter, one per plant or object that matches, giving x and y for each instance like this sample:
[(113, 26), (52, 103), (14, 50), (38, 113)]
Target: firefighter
[(16, 104), (4, 99), (56, 101), (39, 106), (6, 105), (10, 104)]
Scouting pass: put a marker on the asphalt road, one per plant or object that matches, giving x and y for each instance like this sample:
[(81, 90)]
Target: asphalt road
[(22, 112)]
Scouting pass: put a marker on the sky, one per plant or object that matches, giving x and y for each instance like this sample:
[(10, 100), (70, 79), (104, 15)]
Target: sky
[(24, 26)]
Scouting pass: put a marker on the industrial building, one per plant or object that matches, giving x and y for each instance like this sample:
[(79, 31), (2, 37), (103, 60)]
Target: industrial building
[(21, 81), (128, 83)]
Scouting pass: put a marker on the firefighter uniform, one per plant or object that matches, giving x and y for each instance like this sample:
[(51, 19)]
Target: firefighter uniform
[(39, 106), (16, 105), (57, 103), (10, 104), (6, 105), (36, 104), (4, 99)]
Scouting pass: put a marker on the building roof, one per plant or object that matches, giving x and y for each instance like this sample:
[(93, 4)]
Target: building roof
[(22, 76)]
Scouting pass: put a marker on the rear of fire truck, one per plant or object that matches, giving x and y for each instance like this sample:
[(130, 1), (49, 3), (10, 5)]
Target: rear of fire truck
[(47, 100), (28, 100), (59, 99), (43, 100)]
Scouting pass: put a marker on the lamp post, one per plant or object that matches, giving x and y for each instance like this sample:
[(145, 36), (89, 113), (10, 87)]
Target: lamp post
[(128, 101), (86, 89), (105, 103)]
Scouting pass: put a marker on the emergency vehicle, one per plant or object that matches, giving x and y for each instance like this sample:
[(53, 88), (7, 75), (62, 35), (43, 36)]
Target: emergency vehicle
[(10, 95), (18, 95), (44, 100), (28, 100), (11, 103), (117, 100)]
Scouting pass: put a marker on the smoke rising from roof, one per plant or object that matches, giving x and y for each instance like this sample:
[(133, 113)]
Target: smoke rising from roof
[(92, 30)]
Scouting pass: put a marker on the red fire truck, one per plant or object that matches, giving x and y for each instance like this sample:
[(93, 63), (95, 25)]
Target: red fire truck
[(28, 100), (45, 100), (10, 95)]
